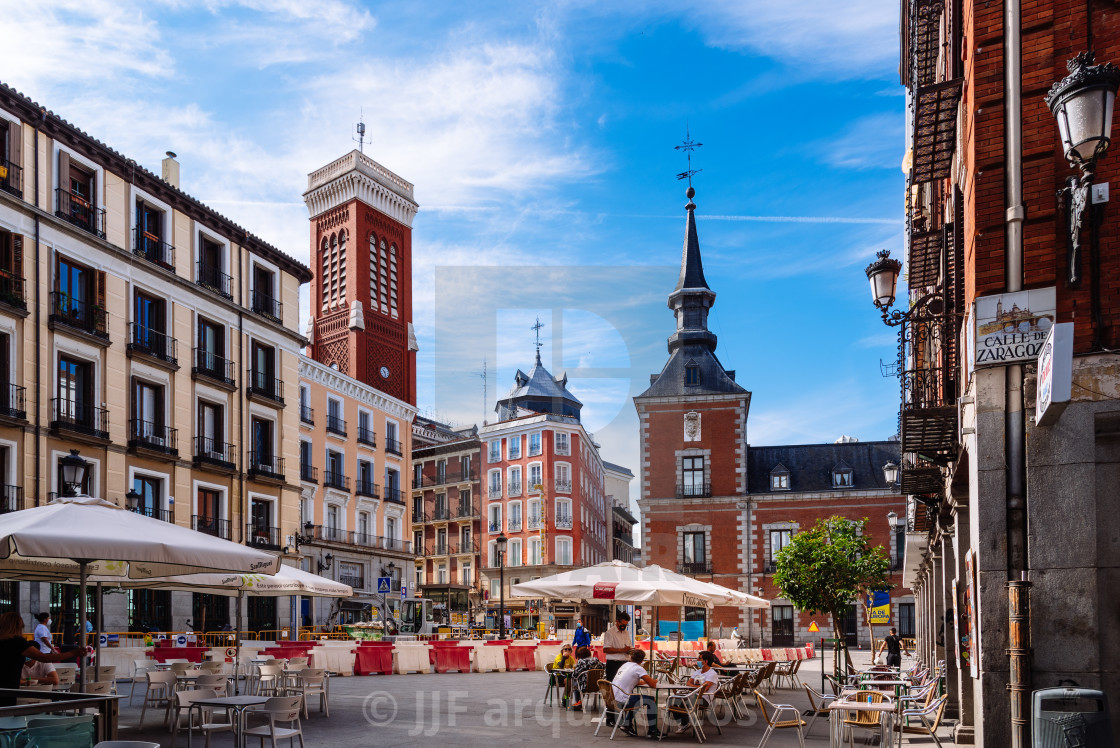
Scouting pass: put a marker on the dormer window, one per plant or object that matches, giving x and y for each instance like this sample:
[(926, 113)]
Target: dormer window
[(779, 478), (691, 373), (841, 476)]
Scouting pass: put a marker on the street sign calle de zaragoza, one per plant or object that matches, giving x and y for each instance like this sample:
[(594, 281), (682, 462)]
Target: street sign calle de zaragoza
[(1011, 327)]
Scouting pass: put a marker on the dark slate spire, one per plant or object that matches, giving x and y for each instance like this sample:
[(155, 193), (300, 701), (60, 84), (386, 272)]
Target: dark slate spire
[(692, 266), (692, 298)]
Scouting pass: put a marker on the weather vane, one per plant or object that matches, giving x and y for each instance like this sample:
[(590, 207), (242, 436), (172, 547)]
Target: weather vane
[(537, 329), (688, 146)]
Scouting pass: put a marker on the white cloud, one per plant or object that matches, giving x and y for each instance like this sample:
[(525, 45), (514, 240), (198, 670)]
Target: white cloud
[(873, 142)]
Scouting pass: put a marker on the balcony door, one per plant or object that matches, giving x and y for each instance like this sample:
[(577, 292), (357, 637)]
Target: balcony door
[(147, 411), (210, 427), (150, 322), (209, 512), (261, 515), (151, 496), (75, 389), (75, 288), (262, 442), (693, 475), (211, 345)]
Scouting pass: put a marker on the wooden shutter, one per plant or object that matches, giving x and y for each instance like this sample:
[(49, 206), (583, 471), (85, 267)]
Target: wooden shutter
[(63, 172), (99, 292), (17, 256), (15, 143)]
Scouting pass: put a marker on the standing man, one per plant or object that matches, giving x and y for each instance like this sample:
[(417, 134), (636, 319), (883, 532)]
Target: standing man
[(893, 645), (582, 637), (616, 645), (43, 633)]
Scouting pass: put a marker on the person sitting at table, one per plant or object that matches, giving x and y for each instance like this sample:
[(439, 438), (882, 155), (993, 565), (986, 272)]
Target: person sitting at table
[(628, 677), (715, 654), (703, 676), (14, 649), (563, 661), (584, 663), (38, 673)]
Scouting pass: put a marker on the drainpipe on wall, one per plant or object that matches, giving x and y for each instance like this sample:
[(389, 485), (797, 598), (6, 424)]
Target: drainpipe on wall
[(1018, 586), (38, 328)]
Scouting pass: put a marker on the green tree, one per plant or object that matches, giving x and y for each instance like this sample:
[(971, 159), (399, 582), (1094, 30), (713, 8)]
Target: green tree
[(830, 566)]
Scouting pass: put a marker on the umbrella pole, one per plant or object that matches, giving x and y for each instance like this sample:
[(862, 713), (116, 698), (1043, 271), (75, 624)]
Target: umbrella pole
[(680, 634), (100, 626), (82, 625), (237, 646)]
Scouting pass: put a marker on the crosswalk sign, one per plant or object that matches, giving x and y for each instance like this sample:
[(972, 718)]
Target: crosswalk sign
[(383, 585)]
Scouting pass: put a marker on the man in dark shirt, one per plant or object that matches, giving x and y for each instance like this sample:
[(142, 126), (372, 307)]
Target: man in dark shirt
[(894, 647)]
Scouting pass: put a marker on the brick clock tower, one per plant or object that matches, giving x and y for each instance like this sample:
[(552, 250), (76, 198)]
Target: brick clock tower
[(693, 439), (361, 298)]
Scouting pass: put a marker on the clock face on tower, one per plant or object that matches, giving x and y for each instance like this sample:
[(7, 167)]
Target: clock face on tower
[(384, 372)]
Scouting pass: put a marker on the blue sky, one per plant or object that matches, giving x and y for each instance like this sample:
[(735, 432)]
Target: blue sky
[(540, 140)]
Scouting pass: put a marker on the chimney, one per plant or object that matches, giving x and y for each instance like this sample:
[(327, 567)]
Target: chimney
[(171, 170)]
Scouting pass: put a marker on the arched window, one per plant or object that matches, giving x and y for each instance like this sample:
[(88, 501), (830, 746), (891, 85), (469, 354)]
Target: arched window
[(342, 265)]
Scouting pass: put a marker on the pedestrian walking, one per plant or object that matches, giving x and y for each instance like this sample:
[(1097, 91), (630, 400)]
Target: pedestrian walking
[(894, 647)]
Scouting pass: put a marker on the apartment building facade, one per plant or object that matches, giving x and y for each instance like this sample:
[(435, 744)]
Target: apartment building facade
[(155, 336), (545, 494), (447, 515), (617, 480)]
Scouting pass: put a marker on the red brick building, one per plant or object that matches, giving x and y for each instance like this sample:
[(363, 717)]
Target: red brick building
[(545, 492), (361, 300), (710, 503)]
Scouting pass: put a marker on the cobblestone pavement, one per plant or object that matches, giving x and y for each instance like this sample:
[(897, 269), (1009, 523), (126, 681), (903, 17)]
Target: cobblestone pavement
[(487, 709)]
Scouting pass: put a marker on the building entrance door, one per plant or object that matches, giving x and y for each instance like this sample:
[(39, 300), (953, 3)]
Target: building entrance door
[(782, 625), (849, 626)]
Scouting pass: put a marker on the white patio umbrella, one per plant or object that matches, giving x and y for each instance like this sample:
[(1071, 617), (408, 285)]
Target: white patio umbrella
[(73, 536)]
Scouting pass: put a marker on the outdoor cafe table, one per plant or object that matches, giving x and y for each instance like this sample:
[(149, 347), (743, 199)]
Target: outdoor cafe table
[(663, 687), (838, 708), (238, 704)]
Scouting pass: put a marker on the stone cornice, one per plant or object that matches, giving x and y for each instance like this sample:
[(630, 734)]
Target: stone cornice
[(313, 371), (358, 177)]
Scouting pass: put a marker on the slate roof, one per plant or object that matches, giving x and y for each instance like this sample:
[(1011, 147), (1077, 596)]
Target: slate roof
[(539, 392), (692, 265), (714, 379), (810, 465)]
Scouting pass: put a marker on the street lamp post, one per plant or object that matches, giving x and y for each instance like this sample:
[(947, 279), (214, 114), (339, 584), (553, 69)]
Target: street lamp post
[(501, 541), (74, 470), (890, 473)]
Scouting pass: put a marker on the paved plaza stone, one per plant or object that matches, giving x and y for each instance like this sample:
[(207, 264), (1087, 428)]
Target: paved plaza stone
[(486, 709)]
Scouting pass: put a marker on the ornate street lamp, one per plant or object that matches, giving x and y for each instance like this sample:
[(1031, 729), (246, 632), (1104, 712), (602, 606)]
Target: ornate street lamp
[(892, 520), (325, 564), (890, 473), (74, 470), (883, 275), (501, 541), (1083, 103), (132, 500)]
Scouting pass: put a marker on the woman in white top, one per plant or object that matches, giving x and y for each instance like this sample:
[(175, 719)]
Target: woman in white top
[(704, 675)]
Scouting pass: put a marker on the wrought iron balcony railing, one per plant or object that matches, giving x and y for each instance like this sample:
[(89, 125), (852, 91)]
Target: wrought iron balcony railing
[(11, 499), (694, 490), (213, 279), (219, 528), (465, 511), (79, 314), (336, 425), (534, 522), (153, 249), (440, 513), (394, 447), (307, 415), (308, 472), (164, 515), (563, 522), (14, 405), (494, 527), (153, 436), (266, 465), (212, 366), (355, 581), (266, 306), (367, 488), (262, 536), (80, 212), (334, 479), (495, 492), (366, 436), (13, 290), (394, 495), (564, 486), (77, 417), (11, 178), (513, 524), (694, 567), (154, 343), (211, 451), (260, 383), (513, 489)]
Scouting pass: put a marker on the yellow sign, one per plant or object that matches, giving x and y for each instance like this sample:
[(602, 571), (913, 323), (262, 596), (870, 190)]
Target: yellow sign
[(814, 627), (880, 615), (3, 172)]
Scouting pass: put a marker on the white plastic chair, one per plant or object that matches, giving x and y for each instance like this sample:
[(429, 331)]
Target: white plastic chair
[(278, 709), (140, 669), (159, 693)]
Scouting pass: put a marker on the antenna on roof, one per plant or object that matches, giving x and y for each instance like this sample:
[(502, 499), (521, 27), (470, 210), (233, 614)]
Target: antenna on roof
[(485, 399), (361, 139)]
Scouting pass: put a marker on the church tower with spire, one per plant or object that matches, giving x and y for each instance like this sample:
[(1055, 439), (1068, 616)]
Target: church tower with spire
[(693, 440)]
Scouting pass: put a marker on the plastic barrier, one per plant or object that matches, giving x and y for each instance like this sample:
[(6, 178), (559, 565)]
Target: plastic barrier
[(192, 654), (489, 659), (448, 659), (520, 658), (411, 659), (373, 660), (547, 653)]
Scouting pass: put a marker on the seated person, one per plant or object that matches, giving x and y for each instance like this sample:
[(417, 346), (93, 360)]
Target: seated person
[(625, 681), (584, 663), (37, 673), (705, 676), (564, 661), (715, 654)]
